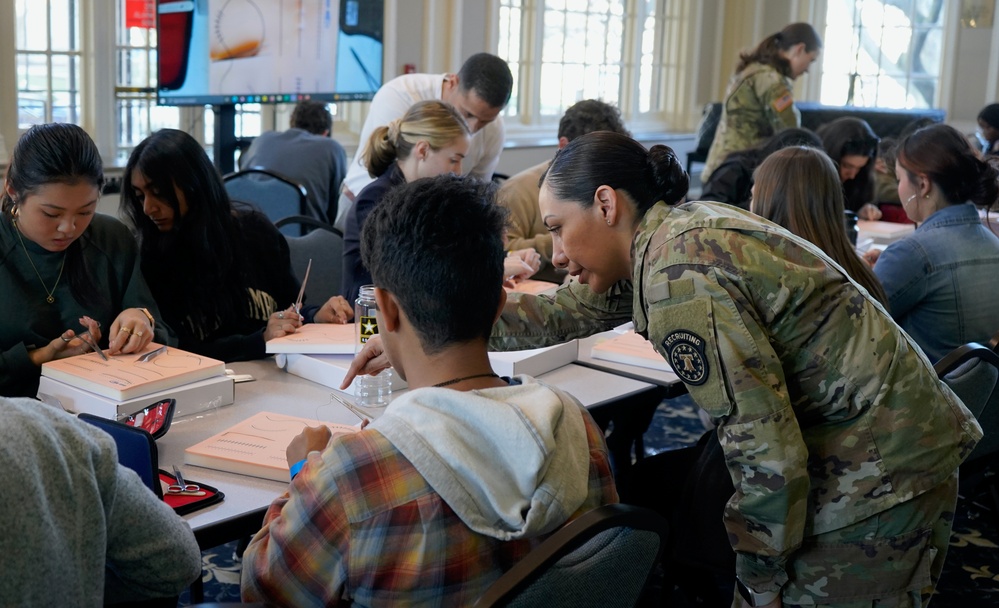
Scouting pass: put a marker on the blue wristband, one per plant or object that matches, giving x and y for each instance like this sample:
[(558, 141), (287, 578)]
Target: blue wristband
[(296, 468)]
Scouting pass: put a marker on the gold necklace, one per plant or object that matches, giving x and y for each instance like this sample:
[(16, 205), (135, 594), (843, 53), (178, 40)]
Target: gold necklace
[(49, 297)]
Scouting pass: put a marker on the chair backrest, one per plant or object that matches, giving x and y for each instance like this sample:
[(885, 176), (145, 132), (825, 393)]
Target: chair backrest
[(603, 558), (273, 194), (972, 372), (136, 449), (324, 246)]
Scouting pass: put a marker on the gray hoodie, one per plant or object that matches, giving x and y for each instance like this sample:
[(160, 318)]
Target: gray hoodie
[(512, 462)]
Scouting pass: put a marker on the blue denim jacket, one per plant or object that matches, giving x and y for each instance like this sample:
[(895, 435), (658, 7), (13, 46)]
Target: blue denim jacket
[(942, 281)]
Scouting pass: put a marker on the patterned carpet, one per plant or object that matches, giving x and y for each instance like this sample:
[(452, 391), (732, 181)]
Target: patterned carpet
[(970, 578)]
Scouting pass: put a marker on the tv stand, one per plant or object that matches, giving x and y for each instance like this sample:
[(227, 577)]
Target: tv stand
[(225, 137)]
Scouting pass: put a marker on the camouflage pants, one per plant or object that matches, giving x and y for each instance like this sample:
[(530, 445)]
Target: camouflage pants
[(892, 559)]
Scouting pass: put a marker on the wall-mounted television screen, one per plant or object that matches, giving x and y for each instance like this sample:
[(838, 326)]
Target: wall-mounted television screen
[(268, 51)]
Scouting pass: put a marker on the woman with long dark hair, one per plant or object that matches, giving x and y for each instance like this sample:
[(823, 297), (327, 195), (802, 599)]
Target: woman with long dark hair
[(758, 101), (220, 273), (65, 270), (853, 146)]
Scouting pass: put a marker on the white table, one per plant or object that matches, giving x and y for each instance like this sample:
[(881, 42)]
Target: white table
[(246, 498), (666, 379), (882, 234)]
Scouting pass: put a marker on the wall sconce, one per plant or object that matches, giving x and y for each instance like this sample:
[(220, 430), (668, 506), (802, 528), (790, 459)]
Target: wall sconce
[(977, 13)]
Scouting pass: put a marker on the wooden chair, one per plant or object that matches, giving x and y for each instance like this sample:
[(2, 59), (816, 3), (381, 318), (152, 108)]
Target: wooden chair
[(603, 558)]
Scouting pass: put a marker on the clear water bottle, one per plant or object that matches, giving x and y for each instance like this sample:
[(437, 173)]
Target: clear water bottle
[(371, 391)]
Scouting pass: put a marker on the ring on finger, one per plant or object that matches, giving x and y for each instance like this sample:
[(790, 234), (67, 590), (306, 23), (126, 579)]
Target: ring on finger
[(140, 333), (65, 339), (125, 329), (281, 315)]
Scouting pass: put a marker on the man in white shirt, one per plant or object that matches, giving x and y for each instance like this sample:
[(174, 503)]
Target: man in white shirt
[(479, 91)]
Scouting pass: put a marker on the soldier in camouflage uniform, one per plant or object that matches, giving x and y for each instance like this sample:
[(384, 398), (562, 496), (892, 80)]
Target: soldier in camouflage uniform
[(842, 444), (758, 102)]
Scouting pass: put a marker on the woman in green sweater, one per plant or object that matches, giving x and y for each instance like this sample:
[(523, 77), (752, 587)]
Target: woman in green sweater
[(64, 269)]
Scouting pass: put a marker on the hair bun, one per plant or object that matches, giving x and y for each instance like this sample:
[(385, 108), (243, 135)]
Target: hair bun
[(668, 175)]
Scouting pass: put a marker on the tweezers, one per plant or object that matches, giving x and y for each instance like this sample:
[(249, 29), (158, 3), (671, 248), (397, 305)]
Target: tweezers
[(146, 358), (353, 408), (301, 291), (88, 339)]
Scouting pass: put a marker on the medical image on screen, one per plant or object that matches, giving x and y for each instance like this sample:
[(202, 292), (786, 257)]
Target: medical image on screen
[(262, 51)]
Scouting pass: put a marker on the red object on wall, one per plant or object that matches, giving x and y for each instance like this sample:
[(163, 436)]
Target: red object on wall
[(409, 68), (140, 13)]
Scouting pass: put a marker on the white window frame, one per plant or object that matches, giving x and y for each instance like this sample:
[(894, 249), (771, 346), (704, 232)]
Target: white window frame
[(75, 57), (943, 94), (673, 75)]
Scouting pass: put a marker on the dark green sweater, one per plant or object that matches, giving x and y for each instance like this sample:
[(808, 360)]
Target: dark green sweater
[(27, 322)]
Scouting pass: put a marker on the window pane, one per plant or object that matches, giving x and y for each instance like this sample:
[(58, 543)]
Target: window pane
[(646, 73), (927, 52), (30, 110), (33, 73), (65, 25), (63, 74), (880, 46), (554, 45), (65, 106), (32, 25)]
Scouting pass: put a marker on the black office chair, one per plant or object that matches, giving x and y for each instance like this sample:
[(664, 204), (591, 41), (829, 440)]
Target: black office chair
[(972, 372), (324, 246), (710, 117), (603, 558), (273, 194)]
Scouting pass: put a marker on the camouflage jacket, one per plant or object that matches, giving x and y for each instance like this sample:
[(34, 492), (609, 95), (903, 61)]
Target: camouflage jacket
[(758, 103), (826, 410)]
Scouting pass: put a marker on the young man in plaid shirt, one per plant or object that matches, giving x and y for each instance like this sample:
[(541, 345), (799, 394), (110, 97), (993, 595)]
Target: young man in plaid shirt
[(463, 474)]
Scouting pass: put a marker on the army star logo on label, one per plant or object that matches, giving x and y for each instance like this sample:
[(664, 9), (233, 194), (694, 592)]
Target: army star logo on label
[(369, 327), (685, 352)]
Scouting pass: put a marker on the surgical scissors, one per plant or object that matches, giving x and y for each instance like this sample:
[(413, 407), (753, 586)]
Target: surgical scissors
[(182, 487)]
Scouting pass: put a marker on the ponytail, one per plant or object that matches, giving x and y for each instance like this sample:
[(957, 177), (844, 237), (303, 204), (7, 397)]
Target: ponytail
[(432, 121), (769, 50)]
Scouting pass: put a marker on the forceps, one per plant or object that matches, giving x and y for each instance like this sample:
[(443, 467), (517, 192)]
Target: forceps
[(88, 339)]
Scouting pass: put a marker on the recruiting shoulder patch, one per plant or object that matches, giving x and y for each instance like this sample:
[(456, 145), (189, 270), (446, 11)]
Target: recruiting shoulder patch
[(783, 102), (685, 351)]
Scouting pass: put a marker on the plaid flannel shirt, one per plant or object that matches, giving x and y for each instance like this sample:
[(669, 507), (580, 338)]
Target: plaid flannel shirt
[(360, 524)]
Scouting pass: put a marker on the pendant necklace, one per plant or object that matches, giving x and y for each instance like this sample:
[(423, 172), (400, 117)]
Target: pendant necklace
[(49, 297)]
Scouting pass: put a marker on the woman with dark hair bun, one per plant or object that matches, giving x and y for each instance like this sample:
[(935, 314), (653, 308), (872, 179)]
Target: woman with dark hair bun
[(758, 101), (64, 269), (841, 442), (853, 146), (941, 279)]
